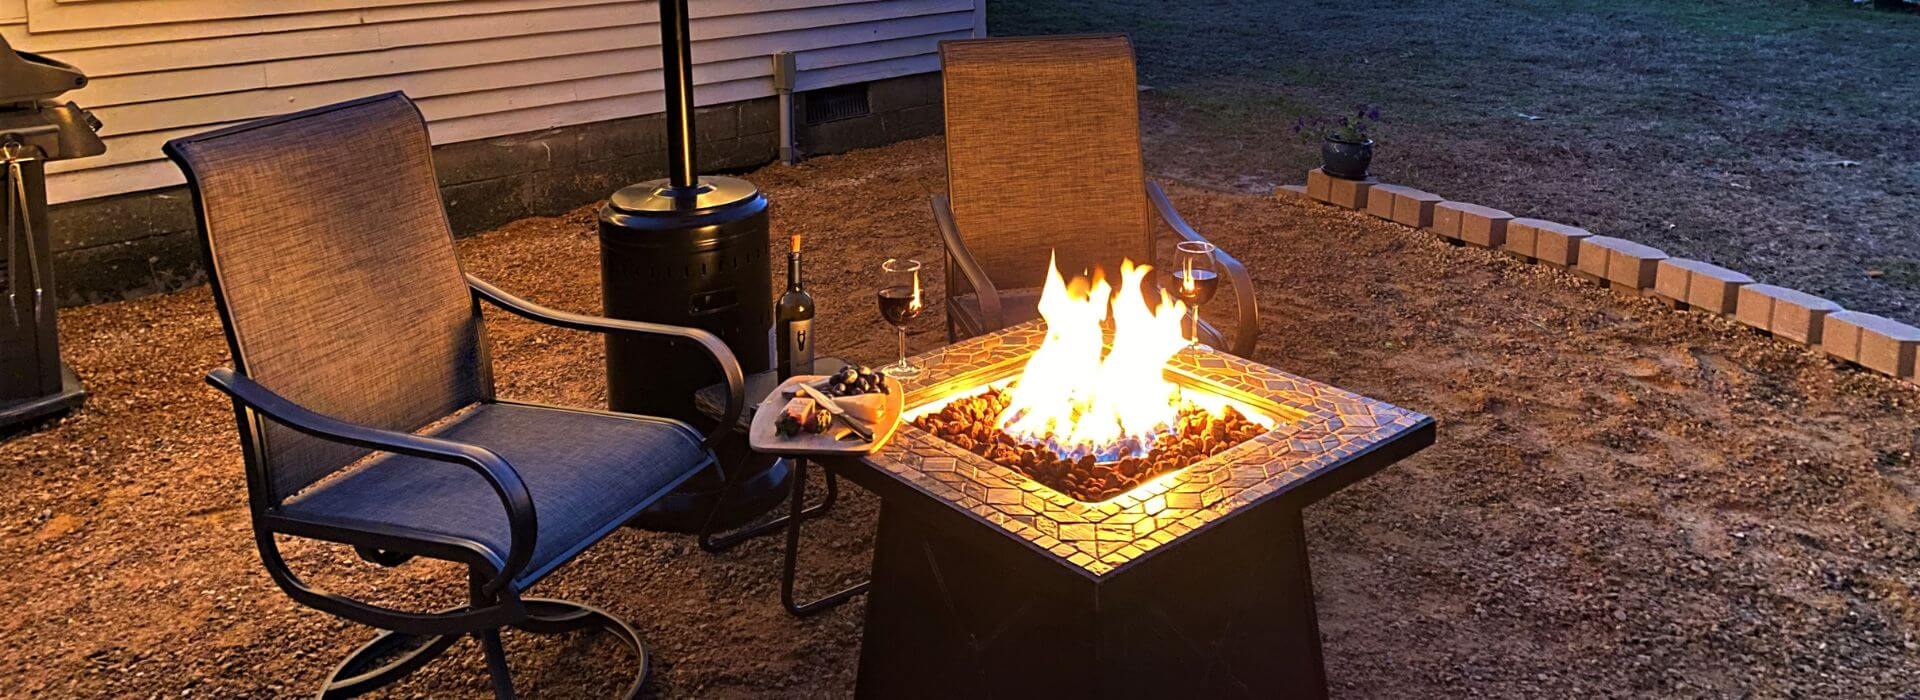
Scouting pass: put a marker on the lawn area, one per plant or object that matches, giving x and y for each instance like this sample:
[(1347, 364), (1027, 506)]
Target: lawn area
[(1777, 138)]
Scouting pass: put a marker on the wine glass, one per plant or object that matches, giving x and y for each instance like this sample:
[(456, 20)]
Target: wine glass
[(1196, 280), (899, 304)]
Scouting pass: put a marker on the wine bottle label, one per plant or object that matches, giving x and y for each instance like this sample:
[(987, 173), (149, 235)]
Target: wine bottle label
[(799, 353)]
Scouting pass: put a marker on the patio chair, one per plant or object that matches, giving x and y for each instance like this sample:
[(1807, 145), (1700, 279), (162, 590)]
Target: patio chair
[(364, 398), (1043, 155)]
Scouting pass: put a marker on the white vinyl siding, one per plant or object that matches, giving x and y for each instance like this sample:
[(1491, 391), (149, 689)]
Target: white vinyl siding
[(478, 68)]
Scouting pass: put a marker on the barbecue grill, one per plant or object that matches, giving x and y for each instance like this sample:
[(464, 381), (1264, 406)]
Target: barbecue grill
[(34, 129)]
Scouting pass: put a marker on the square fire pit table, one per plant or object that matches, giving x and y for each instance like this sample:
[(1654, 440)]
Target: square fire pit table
[(1193, 584)]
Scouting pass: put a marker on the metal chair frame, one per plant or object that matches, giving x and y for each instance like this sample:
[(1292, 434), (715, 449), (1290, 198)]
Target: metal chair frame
[(964, 272), (410, 639)]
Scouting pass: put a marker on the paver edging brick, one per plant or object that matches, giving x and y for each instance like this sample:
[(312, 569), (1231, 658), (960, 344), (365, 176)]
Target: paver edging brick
[(1317, 183), (1351, 194), (1484, 227), (1799, 316), (1558, 244), (1414, 208), (1840, 336), (1715, 289), (1522, 233), (1672, 280), (1381, 199), (1446, 218), (1889, 347), (1631, 266), (1596, 255), (1755, 306), (1634, 268)]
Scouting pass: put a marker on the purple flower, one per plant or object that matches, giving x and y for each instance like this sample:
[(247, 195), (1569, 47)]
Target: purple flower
[(1374, 114)]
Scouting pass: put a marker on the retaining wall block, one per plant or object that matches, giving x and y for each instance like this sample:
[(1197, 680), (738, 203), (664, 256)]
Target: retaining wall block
[(1414, 208), (1791, 314), (1673, 278), (1380, 200), (1351, 194), (1522, 233), (1447, 217), (1318, 182), (1840, 334), (1595, 251), (1714, 288), (1294, 192), (1632, 265), (1889, 347), (1558, 244), (1483, 226), (1755, 307)]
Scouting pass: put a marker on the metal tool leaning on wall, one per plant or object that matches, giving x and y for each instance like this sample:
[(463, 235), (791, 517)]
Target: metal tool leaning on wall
[(34, 130)]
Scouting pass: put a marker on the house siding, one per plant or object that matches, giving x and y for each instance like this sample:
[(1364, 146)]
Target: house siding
[(535, 106), (162, 69)]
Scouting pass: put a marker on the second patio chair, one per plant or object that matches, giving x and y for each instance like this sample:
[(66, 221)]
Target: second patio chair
[(1043, 155), (364, 394)]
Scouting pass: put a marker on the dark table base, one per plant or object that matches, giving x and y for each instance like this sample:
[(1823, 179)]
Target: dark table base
[(1229, 615)]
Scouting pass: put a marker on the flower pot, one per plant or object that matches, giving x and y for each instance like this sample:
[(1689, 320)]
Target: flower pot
[(1346, 159)]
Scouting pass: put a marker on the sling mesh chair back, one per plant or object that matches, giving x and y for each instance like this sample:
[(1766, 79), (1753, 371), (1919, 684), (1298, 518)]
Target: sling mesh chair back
[(364, 397), (1043, 158)]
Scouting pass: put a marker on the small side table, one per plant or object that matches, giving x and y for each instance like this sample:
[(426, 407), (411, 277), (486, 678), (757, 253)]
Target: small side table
[(711, 401)]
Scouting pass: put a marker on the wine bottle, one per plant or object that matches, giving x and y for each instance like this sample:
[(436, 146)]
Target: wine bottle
[(793, 317)]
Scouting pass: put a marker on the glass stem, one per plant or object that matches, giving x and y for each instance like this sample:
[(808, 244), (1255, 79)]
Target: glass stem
[(903, 346)]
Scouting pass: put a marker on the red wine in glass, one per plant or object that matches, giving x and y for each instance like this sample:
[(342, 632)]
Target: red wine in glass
[(1195, 280), (896, 305), (1196, 286), (899, 304)]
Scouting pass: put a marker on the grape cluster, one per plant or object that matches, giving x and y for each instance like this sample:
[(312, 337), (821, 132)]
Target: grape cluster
[(853, 380)]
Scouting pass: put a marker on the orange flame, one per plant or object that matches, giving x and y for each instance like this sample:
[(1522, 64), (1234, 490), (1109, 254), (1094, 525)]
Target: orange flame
[(1082, 398)]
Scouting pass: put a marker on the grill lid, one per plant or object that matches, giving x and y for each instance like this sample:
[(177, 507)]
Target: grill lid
[(28, 77)]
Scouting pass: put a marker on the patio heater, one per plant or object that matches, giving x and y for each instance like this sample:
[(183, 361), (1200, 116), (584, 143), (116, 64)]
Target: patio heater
[(34, 129), (690, 251)]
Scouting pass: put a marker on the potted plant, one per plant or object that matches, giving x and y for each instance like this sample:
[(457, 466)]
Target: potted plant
[(1347, 150)]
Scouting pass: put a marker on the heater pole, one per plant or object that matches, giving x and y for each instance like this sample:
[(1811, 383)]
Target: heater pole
[(676, 65)]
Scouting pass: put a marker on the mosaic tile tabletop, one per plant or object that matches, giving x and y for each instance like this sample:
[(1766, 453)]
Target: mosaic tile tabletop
[(1318, 428)]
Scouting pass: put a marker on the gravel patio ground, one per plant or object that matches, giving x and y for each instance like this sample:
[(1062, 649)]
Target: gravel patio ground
[(1624, 499)]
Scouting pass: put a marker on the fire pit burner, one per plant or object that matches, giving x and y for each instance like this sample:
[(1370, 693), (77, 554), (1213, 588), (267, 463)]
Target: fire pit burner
[(989, 581), (972, 424)]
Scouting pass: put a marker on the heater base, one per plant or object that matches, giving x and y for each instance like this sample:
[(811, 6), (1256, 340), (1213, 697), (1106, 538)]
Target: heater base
[(16, 414), (760, 486)]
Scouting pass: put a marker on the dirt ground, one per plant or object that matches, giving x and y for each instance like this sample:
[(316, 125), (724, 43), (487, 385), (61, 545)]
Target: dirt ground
[(1624, 499), (1780, 138)]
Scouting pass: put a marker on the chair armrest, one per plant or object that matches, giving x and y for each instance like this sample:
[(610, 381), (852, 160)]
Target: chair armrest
[(959, 256), (722, 355), (1246, 333), (499, 474)]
